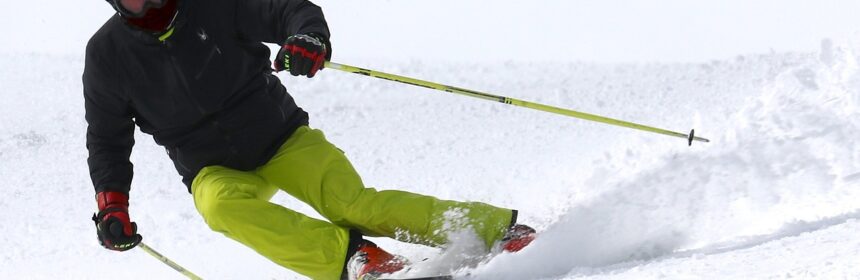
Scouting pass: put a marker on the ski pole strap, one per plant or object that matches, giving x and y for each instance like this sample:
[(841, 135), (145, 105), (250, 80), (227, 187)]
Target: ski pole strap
[(511, 101), (168, 262)]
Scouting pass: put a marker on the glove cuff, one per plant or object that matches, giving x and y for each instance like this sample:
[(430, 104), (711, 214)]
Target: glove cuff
[(108, 199)]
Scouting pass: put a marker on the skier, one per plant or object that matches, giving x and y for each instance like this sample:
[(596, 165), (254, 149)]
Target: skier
[(197, 77)]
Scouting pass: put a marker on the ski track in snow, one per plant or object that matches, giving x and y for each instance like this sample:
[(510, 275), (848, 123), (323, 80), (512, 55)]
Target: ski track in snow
[(773, 196), (789, 161)]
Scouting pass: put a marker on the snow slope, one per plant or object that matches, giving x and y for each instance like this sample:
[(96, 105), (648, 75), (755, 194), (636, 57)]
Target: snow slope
[(499, 30), (775, 195)]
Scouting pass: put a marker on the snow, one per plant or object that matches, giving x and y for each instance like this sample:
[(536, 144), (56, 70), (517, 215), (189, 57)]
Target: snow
[(788, 160), (615, 31), (774, 195)]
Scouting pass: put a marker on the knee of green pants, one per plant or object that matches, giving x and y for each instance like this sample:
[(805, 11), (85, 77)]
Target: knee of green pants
[(214, 185), (316, 172)]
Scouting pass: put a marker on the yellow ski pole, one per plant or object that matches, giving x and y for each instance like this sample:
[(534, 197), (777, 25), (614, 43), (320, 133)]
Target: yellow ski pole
[(168, 262), (511, 101)]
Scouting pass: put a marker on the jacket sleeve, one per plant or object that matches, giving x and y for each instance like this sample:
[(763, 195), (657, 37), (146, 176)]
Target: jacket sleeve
[(272, 21), (110, 128)]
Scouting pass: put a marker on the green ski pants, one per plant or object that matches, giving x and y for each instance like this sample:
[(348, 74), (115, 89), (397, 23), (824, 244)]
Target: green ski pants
[(308, 167)]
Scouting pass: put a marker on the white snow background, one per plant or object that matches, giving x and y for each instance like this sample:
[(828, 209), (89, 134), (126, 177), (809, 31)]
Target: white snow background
[(774, 84)]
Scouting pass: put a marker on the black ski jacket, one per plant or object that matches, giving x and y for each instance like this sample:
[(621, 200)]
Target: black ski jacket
[(206, 93)]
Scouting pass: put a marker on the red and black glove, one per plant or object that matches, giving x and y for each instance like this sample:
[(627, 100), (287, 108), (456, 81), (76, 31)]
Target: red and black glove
[(302, 55), (114, 227)]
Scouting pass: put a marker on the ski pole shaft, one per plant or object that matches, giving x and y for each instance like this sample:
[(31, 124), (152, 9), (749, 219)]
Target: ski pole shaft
[(168, 262), (511, 101)]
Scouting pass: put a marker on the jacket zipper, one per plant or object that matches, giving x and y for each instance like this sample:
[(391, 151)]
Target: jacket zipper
[(206, 64), (184, 81), (182, 78)]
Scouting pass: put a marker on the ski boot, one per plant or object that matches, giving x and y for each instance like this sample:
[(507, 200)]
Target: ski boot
[(370, 262), (518, 237)]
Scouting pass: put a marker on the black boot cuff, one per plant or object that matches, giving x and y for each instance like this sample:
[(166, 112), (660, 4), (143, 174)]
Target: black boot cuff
[(355, 239)]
